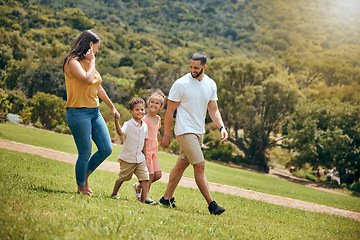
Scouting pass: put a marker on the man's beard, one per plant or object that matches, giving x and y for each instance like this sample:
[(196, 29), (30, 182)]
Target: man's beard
[(197, 74)]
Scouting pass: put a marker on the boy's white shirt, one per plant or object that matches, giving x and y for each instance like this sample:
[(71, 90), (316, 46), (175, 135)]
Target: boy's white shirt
[(134, 140), (193, 97)]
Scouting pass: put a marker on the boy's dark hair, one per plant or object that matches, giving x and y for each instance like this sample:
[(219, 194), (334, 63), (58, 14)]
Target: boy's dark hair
[(135, 101), (199, 57)]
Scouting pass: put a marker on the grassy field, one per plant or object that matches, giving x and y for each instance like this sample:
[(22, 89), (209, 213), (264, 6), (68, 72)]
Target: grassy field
[(214, 172), (38, 201)]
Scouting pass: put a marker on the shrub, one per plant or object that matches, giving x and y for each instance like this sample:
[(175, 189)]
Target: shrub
[(18, 100), (5, 105), (307, 174), (355, 187), (47, 109), (62, 129), (220, 152), (174, 146), (334, 184)]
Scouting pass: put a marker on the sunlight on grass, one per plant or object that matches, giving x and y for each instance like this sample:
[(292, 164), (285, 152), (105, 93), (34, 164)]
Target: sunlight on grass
[(39, 201), (215, 172)]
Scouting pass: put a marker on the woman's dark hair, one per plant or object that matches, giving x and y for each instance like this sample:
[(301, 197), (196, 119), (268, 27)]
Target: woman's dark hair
[(82, 45)]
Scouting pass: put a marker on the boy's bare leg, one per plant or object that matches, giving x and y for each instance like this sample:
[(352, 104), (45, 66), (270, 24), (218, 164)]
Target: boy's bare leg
[(175, 177), (202, 182), (145, 190), (116, 187)]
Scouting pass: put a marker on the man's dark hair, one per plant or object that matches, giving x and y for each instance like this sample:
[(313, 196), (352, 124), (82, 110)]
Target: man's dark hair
[(135, 101), (199, 57)]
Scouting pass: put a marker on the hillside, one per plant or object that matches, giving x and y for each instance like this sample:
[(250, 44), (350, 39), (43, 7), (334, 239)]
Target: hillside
[(265, 54), (299, 35)]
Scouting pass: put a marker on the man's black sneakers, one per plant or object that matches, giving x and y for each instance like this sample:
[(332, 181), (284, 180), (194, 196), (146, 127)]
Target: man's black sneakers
[(215, 209), (168, 203)]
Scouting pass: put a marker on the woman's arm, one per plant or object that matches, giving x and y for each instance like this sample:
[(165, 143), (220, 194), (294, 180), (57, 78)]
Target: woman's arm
[(73, 68), (103, 96)]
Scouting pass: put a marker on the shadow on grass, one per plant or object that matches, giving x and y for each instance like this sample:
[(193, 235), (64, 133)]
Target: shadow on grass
[(48, 190)]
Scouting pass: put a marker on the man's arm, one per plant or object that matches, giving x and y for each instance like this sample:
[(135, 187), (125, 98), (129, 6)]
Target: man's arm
[(171, 106), (216, 117)]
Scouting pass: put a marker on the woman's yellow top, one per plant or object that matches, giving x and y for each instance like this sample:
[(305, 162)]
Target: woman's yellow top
[(80, 94)]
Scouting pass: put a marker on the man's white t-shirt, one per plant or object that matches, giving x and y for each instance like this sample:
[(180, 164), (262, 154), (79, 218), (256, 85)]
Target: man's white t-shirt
[(193, 97), (134, 140)]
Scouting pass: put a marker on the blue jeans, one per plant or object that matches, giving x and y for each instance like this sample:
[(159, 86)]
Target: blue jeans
[(87, 124)]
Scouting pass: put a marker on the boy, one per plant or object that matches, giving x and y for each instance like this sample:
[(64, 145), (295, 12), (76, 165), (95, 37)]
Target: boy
[(132, 158)]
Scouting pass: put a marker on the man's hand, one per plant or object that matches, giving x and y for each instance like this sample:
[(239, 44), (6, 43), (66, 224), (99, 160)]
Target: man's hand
[(165, 142), (224, 134)]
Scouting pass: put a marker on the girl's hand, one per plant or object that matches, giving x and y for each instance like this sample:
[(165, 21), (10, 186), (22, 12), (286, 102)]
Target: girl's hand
[(90, 54)]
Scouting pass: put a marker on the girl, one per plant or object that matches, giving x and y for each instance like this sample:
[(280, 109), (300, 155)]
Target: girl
[(155, 103), (83, 89)]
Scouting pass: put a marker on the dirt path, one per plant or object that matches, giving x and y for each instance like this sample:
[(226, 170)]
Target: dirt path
[(189, 182)]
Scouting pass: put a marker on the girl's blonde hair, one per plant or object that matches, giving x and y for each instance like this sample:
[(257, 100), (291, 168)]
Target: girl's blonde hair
[(157, 94)]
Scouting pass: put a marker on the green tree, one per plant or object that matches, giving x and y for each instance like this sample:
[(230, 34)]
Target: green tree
[(75, 18), (326, 133), (254, 100), (47, 78)]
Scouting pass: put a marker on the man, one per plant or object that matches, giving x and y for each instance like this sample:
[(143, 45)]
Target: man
[(192, 95)]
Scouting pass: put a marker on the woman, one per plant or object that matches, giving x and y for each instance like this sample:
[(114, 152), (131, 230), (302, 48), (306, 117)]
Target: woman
[(83, 88)]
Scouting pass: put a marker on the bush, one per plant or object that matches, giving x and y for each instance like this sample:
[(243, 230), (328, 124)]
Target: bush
[(334, 184), (174, 146), (5, 105), (18, 101), (220, 152), (48, 110), (355, 187), (62, 129), (307, 174)]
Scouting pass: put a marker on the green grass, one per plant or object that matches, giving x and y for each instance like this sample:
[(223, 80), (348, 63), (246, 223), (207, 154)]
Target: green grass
[(214, 172), (38, 201)]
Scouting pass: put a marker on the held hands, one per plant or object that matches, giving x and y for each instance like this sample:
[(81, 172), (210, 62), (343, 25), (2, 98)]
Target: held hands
[(165, 142), (116, 115)]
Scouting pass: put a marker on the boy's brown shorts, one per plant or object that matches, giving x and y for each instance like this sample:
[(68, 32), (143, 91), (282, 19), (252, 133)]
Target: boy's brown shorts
[(128, 169)]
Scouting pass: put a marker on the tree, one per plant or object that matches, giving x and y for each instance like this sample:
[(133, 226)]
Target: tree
[(254, 100), (45, 78), (326, 133)]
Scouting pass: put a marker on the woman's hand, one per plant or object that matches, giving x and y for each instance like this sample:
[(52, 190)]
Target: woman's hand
[(90, 54), (116, 114)]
